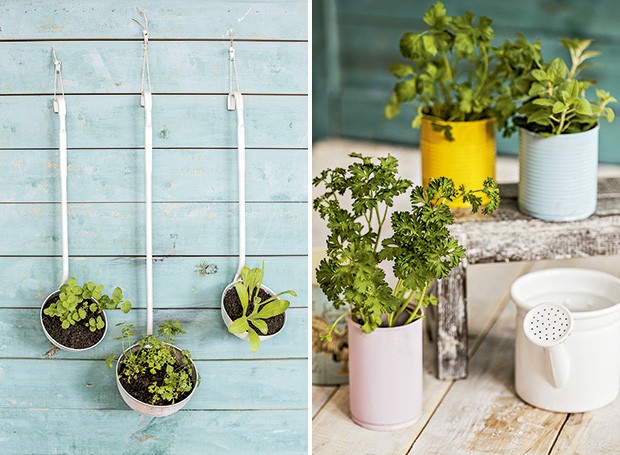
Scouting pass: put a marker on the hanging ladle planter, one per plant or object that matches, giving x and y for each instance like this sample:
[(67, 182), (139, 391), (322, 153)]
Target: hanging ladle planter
[(265, 314), (64, 320), (148, 392)]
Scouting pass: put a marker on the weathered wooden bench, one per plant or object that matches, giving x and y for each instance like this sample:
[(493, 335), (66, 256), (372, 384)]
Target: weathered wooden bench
[(510, 236)]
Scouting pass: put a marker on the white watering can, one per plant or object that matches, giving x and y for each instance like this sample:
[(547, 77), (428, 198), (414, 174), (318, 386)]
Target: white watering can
[(567, 354)]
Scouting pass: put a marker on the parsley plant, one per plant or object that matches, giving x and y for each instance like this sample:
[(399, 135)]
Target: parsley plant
[(421, 247)]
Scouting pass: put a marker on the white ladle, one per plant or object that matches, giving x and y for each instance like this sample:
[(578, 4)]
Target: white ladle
[(235, 103), (60, 107), (548, 325)]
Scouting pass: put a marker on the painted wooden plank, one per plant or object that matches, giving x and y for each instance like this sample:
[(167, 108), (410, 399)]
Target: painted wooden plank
[(179, 282), (176, 67), (117, 121), (207, 337), (178, 229), (178, 175), (590, 432), (483, 414), (577, 17), (111, 19), (90, 384), (320, 396), (76, 432)]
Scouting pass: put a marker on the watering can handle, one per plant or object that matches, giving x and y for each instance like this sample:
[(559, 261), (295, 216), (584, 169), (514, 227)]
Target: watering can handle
[(558, 365)]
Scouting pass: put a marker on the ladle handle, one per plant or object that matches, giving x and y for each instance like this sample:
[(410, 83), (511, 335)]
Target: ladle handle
[(558, 365), (62, 137), (238, 105), (148, 173)]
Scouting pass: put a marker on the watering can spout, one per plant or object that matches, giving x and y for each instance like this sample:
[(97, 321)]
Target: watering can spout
[(548, 325)]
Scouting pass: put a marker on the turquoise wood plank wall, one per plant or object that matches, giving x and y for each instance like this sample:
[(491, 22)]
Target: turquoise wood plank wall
[(68, 403), (367, 44)]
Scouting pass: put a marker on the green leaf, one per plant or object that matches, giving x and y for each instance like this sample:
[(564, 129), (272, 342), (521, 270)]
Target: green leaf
[(254, 340), (261, 325), (273, 309), (65, 324), (93, 307), (239, 326), (401, 70), (242, 293), (557, 108), (126, 306), (109, 360), (583, 107)]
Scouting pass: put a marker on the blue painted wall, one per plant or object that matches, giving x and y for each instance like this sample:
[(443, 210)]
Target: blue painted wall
[(247, 402), (359, 41)]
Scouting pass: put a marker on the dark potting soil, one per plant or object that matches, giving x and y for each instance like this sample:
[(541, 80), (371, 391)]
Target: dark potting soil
[(78, 336), (139, 387), (233, 308)]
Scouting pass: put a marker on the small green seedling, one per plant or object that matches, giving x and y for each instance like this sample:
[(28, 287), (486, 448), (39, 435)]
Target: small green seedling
[(247, 291), (171, 376), (74, 300)]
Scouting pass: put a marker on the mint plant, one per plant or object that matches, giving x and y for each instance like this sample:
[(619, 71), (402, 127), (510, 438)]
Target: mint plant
[(453, 74), (166, 373), (549, 98), (255, 311), (421, 247), (74, 301)]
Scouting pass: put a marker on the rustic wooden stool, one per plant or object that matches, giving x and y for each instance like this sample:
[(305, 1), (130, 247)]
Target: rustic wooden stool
[(510, 236)]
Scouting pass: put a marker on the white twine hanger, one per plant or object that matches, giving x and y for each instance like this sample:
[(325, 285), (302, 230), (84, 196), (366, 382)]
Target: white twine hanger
[(146, 100), (235, 102), (60, 107)]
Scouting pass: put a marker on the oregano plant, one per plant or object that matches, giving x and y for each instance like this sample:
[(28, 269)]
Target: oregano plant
[(256, 311), (452, 72), (550, 97), (420, 249), (155, 370), (84, 304)]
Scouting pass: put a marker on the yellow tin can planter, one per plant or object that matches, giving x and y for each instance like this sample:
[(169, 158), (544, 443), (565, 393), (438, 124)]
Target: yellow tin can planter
[(469, 159)]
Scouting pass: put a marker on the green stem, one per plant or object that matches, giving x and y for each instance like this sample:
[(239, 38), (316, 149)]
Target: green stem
[(417, 307), (381, 222), (333, 328)]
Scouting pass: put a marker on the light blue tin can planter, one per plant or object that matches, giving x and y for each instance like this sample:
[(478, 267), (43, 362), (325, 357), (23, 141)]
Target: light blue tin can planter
[(558, 175)]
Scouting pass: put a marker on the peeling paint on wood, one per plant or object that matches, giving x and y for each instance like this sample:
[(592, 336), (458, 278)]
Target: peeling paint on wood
[(509, 236)]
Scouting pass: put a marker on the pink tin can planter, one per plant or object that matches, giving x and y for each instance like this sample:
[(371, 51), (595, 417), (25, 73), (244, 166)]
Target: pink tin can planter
[(385, 376)]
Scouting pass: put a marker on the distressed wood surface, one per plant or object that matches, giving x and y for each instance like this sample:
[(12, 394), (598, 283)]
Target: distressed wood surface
[(509, 236), (179, 282), (275, 384), (207, 337), (178, 175), (124, 432), (320, 396), (247, 403), (110, 67), (450, 319), (111, 19), (483, 414), (117, 229), (178, 121)]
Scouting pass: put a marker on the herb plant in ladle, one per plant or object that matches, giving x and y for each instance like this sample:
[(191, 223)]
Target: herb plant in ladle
[(154, 377), (73, 317), (252, 310)]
